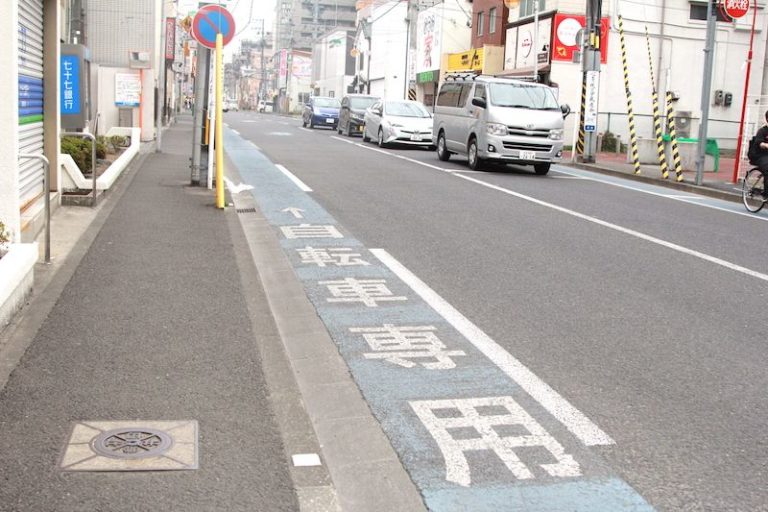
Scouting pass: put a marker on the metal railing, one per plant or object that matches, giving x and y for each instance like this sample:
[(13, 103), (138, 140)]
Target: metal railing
[(47, 193), (92, 138)]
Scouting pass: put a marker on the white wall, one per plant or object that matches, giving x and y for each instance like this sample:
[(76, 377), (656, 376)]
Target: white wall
[(9, 119), (110, 112), (388, 37), (331, 64), (682, 58)]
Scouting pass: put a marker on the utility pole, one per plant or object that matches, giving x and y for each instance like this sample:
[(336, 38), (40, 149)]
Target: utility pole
[(591, 70), (407, 47), (160, 107), (706, 89), (197, 132), (262, 84)]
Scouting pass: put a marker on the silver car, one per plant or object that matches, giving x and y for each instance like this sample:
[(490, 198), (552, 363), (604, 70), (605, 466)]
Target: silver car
[(398, 122), (500, 120)]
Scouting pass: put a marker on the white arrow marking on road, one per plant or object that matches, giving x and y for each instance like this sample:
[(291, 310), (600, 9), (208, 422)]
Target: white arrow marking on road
[(297, 212), (236, 189)]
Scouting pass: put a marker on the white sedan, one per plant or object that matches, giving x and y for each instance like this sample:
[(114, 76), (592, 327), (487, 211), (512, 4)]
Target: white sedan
[(398, 121)]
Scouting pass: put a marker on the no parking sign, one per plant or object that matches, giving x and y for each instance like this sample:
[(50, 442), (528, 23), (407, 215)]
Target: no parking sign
[(210, 21)]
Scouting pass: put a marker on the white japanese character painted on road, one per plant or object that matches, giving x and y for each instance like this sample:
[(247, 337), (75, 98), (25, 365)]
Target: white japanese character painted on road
[(339, 256), (367, 291), (485, 419), (311, 231), (399, 345)]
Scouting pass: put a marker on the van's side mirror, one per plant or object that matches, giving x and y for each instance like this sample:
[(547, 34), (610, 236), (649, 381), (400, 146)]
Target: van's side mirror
[(479, 102), (565, 109)]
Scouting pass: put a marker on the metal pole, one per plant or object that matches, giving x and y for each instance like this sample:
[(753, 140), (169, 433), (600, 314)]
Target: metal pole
[(161, 82), (744, 101), (219, 123), (535, 43), (706, 89), (47, 200), (407, 47), (197, 131)]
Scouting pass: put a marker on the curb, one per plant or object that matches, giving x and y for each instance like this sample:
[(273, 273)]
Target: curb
[(683, 187)]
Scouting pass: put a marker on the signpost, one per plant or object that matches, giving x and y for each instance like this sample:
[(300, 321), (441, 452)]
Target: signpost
[(214, 27), (739, 11)]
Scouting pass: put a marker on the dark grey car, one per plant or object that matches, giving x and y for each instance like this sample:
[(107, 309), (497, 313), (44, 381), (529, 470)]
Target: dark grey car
[(352, 113)]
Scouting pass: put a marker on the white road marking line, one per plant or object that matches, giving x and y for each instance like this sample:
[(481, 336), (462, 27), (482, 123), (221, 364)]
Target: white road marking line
[(675, 197), (293, 178), (401, 157), (570, 177), (631, 232), (342, 140), (306, 460), (249, 121), (573, 419), (234, 131)]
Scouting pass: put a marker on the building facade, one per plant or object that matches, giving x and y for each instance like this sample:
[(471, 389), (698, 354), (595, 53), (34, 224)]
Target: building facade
[(298, 23), (489, 23), (676, 33), (333, 64)]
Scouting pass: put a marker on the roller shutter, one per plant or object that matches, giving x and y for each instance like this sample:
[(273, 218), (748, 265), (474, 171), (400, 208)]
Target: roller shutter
[(30, 126)]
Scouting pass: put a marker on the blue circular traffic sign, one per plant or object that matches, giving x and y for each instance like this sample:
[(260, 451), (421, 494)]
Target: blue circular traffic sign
[(210, 21)]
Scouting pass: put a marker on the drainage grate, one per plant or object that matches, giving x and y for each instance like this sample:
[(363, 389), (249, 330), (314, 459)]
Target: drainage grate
[(132, 443), (246, 210)]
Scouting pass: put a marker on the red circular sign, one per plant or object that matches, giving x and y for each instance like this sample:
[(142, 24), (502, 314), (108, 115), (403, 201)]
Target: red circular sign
[(735, 8), (210, 21)]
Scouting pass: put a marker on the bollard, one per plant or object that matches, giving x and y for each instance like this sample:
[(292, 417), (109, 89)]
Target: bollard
[(673, 139), (630, 112), (656, 116), (582, 133)]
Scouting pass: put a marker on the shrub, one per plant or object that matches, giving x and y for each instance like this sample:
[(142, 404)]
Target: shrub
[(80, 151), (5, 238), (609, 142), (118, 141)]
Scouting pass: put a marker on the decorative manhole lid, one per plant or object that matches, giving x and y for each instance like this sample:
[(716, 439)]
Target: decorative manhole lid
[(132, 443)]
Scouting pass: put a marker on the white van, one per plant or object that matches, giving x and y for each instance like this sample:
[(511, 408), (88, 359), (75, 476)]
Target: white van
[(498, 119)]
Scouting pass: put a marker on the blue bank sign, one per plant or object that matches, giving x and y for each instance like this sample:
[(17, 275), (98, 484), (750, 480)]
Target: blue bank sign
[(70, 85)]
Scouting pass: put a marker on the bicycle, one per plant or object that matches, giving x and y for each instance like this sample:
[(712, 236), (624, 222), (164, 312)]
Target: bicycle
[(752, 190)]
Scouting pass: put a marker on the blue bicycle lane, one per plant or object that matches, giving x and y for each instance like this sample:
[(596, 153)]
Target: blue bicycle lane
[(469, 436)]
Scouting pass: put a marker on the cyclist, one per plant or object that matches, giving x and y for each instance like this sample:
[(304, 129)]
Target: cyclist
[(758, 153)]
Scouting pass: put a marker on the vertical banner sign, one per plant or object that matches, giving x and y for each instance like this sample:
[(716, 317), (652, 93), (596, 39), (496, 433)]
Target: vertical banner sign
[(70, 85), (283, 64), (170, 39), (590, 110)]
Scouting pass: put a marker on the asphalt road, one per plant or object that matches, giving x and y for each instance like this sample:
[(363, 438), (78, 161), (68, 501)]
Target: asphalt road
[(637, 307)]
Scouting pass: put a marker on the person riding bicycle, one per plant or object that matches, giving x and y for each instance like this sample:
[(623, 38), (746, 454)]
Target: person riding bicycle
[(758, 153)]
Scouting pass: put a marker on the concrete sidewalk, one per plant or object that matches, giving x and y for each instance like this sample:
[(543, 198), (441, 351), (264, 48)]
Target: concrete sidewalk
[(714, 184), (157, 323)]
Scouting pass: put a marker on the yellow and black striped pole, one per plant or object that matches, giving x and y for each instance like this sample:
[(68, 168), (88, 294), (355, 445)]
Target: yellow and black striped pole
[(630, 112), (656, 115), (673, 138), (580, 141)]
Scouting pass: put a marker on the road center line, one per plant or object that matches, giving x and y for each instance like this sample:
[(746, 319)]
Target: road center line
[(573, 419), (631, 232), (293, 178), (676, 197)]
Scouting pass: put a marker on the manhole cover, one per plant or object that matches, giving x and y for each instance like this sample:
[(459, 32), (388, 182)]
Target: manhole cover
[(132, 443)]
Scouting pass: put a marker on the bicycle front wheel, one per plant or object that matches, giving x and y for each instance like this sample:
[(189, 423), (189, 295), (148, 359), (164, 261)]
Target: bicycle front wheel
[(752, 191)]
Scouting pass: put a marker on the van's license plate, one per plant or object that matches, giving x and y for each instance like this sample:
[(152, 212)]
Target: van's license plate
[(330, 120), (527, 155)]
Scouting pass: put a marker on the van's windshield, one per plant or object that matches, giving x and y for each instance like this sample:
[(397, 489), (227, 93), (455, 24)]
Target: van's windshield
[(523, 96)]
